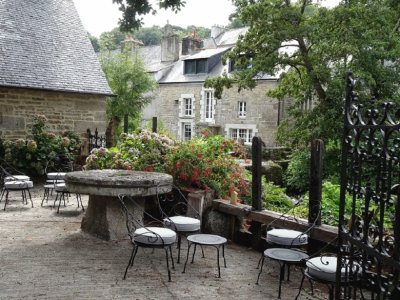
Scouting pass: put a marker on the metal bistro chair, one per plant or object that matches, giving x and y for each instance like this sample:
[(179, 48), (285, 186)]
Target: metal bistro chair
[(56, 170), (285, 239), (176, 218), (154, 237), (322, 267), (12, 180)]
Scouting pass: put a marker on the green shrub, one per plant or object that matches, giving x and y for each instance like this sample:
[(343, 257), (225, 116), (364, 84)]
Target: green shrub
[(32, 155), (275, 198), (297, 176)]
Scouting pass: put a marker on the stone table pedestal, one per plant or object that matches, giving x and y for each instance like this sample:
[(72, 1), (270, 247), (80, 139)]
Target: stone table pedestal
[(104, 217)]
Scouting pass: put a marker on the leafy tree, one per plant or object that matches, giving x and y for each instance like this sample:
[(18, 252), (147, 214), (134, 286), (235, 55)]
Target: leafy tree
[(202, 32), (111, 40), (131, 84), (95, 42), (133, 9), (321, 45), (150, 35)]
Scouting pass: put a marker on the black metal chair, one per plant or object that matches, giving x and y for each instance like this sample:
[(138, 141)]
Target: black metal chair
[(321, 267), (176, 218), (55, 170), (154, 236), (285, 239), (12, 180)]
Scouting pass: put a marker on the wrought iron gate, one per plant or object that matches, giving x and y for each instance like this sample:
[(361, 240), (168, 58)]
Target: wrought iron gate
[(369, 225)]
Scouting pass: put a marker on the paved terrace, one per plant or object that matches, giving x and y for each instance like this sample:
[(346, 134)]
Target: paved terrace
[(44, 255)]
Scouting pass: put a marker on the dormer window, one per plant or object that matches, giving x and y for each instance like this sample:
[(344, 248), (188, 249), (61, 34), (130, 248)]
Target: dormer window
[(195, 66)]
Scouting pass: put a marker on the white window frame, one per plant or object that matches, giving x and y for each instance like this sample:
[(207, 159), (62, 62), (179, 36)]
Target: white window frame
[(234, 131), (183, 113), (207, 104), (182, 129), (242, 109)]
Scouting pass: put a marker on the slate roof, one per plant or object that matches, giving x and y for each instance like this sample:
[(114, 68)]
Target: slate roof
[(216, 46), (43, 45)]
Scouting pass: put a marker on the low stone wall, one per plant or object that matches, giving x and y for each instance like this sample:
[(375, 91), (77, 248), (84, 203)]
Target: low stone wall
[(64, 111), (227, 220)]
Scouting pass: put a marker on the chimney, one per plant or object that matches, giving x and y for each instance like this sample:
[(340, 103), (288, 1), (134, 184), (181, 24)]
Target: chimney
[(216, 30), (130, 45), (169, 45), (191, 44)]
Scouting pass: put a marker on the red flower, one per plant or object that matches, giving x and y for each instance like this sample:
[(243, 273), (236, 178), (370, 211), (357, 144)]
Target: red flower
[(200, 155), (195, 174), (149, 168), (183, 176)]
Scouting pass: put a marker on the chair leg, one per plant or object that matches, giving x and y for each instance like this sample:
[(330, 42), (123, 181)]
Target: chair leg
[(45, 195), (130, 262), (259, 261), (80, 200), (219, 268), (172, 258), (194, 252), (6, 200), (187, 256), (262, 264), (179, 248), (301, 286), (2, 194), (166, 256), (30, 197), (223, 255)]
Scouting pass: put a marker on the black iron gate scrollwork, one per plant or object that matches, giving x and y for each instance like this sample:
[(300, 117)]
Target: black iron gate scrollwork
[(369, 225)]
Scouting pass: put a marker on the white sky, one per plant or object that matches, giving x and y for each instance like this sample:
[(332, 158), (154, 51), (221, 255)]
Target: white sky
[(98, 16)]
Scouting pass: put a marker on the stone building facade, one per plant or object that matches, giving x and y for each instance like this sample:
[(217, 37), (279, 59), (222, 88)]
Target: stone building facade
[(185, 107), (64, 111), (48, 67), (259, 117)]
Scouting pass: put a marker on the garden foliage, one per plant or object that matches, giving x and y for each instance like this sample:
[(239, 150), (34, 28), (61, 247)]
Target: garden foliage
[(31, 155), (203, 163)]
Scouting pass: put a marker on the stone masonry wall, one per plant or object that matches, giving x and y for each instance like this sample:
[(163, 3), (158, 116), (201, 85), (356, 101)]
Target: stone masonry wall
[(262, 111), (64, 111)]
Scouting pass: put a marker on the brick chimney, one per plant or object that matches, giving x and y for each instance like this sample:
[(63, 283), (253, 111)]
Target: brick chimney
[(191, 44), (131, 45), (216, 30), (169, 45)]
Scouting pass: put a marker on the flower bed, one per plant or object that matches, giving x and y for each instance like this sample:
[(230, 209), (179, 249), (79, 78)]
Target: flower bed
[(203, 163)]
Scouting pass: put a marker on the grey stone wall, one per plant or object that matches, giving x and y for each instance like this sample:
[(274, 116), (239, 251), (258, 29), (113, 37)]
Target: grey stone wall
[(262, 111), (64, 111)]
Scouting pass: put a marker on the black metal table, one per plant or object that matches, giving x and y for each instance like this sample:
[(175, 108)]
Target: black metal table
[(285, 257), (215, 241)]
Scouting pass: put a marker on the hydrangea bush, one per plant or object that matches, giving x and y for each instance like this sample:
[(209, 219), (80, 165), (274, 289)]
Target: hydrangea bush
[(32, 155)]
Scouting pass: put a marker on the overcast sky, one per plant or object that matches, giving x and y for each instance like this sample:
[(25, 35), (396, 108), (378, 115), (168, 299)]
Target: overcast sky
[(102, 15)]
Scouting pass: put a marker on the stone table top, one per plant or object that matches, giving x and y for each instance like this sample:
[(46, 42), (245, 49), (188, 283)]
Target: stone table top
[(115, 182)]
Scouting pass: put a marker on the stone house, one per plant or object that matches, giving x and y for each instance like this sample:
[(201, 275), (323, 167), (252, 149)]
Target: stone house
[(48, 67), (185, 107)]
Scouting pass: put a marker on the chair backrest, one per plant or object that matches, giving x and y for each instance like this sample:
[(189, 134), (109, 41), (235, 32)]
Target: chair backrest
[(131, 210), (175, 203), (57, 164), (6, 170)]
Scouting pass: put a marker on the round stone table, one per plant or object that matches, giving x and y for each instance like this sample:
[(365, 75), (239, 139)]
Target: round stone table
[(104, 217)]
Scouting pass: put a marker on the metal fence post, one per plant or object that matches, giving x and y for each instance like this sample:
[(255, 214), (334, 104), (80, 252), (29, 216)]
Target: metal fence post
[(154, 124), (315, 195), (255, 227)]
